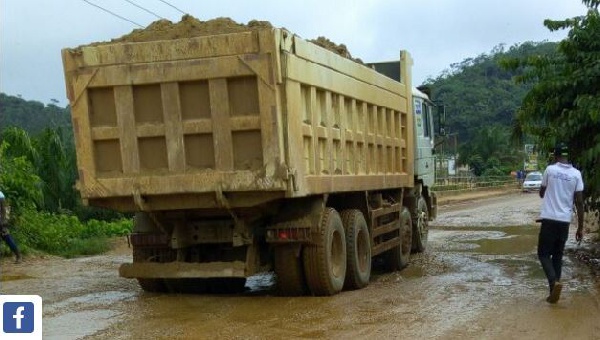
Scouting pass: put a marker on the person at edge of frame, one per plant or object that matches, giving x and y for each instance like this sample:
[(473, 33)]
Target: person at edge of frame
[(4, 232)]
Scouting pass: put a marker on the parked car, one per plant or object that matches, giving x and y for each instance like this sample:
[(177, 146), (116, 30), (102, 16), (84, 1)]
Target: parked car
[(533, 181)]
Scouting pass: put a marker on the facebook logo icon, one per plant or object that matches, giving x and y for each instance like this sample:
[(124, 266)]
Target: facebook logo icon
[(21, 317), (18, 317)]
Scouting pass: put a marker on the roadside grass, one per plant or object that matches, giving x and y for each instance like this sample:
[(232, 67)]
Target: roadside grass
[(88, 246), (63, 235)]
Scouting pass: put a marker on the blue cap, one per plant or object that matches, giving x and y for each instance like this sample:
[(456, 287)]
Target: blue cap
[(1, 195)]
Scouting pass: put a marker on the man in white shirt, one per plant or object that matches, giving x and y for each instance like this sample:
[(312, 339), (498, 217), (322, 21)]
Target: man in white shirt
[(561, 184)]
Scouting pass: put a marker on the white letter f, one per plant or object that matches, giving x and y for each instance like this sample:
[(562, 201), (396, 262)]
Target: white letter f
[(18, 316)]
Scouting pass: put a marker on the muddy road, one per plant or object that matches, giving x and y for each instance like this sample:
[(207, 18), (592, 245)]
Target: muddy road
[(479, 279)]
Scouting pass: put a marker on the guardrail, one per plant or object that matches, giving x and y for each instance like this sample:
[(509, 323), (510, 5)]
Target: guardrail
[(460, 184)]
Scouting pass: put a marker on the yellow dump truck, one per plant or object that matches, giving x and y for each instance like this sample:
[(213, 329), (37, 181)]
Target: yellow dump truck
[(250, 152)]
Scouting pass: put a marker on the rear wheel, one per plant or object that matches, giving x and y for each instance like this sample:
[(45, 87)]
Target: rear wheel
[(290, 274), (358, 249), (421, 227), (325, 259), (398, 257)]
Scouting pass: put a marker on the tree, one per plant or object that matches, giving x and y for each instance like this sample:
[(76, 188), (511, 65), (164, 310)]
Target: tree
[(479, 92), (18, 181), (51, 155), (564, 103), (490, 152), (52, 167), (32, 116)]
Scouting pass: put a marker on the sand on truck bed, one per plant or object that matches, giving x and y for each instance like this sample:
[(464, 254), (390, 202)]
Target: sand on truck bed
[(190, 27)]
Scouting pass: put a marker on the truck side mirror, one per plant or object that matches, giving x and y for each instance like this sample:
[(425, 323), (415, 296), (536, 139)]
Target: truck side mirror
[(441, 120)]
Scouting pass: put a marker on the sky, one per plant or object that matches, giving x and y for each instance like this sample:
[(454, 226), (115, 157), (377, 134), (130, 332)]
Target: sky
[(437, 33)]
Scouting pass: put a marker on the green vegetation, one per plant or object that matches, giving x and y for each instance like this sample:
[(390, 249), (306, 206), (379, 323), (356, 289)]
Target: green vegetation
[(37, 175), (563, 104), (32, 116), (66, 235), (481, 100)]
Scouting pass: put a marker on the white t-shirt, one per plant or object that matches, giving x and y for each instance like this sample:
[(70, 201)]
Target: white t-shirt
[(561, 182)]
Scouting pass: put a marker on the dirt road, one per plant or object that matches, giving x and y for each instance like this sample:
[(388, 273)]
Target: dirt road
[(479, 279)]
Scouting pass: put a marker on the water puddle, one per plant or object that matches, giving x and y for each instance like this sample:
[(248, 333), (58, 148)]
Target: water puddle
[(500, 256), (76, 325), (94, 299)]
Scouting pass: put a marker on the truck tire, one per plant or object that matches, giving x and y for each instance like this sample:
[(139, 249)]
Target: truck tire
[(421, 227), (398, 257), (289, 271), (152, 285), (358, 249), (325, 258)]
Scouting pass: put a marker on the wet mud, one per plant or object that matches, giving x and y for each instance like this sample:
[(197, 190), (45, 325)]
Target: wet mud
[(478, 279)]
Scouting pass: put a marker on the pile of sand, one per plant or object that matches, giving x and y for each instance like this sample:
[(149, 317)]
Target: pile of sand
[(190, 27), (340, 49)]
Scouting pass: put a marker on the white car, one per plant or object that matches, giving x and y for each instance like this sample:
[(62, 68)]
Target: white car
[(533, 181)]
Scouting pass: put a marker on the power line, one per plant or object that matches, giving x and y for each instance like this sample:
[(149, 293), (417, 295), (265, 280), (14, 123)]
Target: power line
[(112, 13), (168, 4), (144, 9)]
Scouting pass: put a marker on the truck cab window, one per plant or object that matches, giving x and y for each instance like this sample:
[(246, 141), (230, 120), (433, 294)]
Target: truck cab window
[(426, 120)]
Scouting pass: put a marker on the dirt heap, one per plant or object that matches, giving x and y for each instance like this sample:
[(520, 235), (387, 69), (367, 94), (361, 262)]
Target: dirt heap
[(340, 49), (190, 27)]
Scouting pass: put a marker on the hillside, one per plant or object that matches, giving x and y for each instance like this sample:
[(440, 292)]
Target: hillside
[(478, 92), (481, 99), (32, 116)]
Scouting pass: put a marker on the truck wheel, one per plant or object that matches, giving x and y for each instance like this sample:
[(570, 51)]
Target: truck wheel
[(325, 258), (290, 274), (358, 249), (421, 227), (153, 285), (398, 257)]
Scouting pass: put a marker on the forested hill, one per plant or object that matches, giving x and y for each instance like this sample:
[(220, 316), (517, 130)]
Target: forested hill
[(481, 99), (31, 116), (479, 93)]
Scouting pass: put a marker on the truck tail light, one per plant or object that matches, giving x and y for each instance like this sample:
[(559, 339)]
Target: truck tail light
[(288, 235)]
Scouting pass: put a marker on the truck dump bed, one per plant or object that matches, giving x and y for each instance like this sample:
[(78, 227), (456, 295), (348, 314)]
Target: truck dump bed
[(232, 120)]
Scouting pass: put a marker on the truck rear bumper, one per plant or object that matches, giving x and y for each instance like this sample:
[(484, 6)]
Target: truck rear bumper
[(180, 270)]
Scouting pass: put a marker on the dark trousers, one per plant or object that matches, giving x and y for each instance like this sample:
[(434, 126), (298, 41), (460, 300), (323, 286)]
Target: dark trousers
[(11, 243), (551, 244)]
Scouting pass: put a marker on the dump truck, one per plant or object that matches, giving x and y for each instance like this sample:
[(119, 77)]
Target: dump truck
[(249, 152)]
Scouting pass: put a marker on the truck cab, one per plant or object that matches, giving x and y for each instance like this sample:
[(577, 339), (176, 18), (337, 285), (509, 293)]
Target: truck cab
[(424, 138)]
